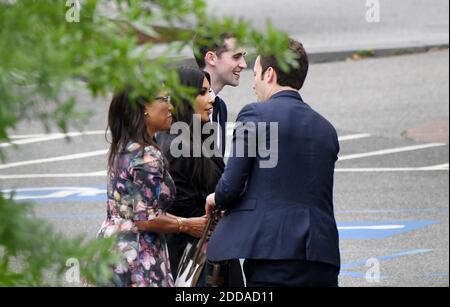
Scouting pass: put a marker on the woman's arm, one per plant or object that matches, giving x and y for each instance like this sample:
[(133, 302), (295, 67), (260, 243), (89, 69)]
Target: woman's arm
[(153, 182), (166, 223)]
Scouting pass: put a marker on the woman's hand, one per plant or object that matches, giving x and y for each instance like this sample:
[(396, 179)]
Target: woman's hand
[(194, 226)]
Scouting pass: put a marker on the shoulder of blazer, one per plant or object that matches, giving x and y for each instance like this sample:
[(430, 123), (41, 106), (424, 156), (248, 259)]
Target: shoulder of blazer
[(248, 111)]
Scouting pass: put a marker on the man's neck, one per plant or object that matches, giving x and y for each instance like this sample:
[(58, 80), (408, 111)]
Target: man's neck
[(278, 89), (216, 86)]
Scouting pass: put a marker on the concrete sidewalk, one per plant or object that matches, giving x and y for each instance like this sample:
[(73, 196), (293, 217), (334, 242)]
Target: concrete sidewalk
[(336, 30), (343, 53), (334, 54)]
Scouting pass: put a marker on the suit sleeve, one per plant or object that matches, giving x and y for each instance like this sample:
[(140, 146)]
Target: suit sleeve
[(243, 155)]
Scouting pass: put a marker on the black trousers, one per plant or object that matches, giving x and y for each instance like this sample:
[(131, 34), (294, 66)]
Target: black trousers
[(290, 273), (230, 274)]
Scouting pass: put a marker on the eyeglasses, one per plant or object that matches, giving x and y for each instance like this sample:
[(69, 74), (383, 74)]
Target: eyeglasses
[(164, 98)]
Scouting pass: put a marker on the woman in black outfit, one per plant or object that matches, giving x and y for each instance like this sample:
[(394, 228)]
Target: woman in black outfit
[(195, 177)]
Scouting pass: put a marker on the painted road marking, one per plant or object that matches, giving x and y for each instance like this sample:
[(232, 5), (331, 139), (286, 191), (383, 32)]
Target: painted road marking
[(353, 137), (403, 210), (363, 262), (55, 159), (389, 151), (58, 194), (38, 176), (26, 139), (441, 167), (27, 136), (347, 230), (379, 230), (373, 227), (350, 137), (49, 137)]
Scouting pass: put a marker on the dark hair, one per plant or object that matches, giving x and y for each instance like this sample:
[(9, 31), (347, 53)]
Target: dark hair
[(203, 44), (295, 78), (126, 121), (204, 173), (193, 78)]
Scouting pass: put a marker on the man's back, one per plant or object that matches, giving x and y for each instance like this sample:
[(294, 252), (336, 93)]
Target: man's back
[(307, 152), (284, 212)]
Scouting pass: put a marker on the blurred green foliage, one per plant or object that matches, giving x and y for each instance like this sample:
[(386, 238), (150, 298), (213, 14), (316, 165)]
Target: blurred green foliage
[(46, 45), (31, 251)]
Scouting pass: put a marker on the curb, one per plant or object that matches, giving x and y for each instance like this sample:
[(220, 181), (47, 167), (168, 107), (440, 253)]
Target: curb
[(320, 55), (317, 56)]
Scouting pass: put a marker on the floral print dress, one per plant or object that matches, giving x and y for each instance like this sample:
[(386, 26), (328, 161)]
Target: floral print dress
[(139, 189)]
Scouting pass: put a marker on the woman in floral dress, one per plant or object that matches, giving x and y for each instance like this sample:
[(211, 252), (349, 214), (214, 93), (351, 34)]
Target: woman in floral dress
[(140, 190)]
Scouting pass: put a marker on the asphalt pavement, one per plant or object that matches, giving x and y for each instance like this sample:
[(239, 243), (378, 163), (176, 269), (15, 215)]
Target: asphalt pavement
[(391, 192)]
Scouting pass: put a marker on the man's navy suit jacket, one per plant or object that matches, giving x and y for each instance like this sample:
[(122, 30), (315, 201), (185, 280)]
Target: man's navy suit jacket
[(285, 212)]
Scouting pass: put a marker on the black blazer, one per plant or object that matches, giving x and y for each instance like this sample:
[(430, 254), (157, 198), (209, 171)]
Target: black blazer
[(284, 212), (220, 115), (190, 198)]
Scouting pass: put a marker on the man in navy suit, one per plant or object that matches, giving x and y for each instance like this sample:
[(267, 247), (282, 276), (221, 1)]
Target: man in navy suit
[(224, 60), (280, 217)]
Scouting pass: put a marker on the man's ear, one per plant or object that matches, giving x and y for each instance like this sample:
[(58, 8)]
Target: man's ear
[(271, 75), (210, 58)]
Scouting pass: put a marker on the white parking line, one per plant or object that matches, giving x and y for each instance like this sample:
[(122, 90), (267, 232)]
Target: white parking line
[(55, 159), (38, 176), (85, 190), (36, 138), (375, 227), (40, 138), (441, 167), (27, 136), (53, 192), (393, 169), (390, 151), (340, 138), (353, 137)]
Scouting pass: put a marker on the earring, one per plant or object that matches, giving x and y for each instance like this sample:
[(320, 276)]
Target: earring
[(145, 114)]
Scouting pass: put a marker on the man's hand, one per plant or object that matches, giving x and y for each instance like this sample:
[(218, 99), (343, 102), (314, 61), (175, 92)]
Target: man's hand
[(210, 204)]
